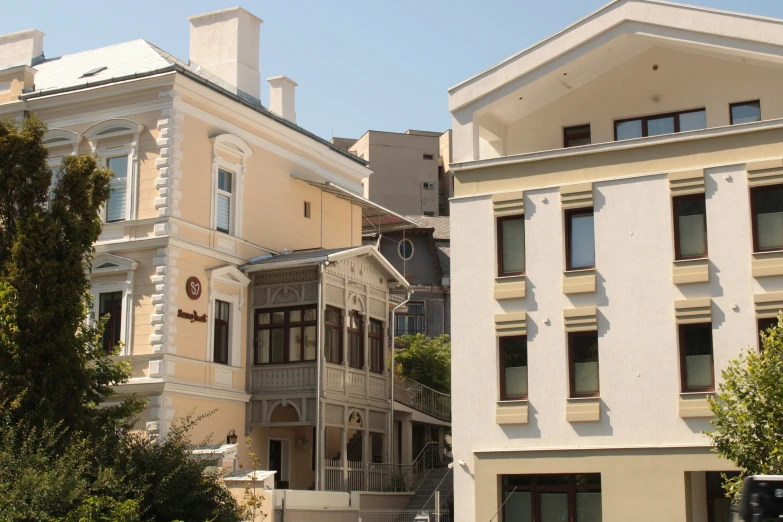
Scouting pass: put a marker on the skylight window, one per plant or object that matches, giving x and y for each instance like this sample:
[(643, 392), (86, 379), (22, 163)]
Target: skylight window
[(94, 71)]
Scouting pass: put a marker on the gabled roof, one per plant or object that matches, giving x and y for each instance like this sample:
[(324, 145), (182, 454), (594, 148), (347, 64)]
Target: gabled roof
[(138, 59), (441, 230), (319, 255), (697, 29)]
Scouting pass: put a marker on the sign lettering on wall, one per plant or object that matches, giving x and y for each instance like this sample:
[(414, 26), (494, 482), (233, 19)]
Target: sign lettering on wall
[(194, 317), (193, 287)]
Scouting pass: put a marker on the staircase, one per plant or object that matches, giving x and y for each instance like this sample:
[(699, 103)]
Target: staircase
[(438, 479)]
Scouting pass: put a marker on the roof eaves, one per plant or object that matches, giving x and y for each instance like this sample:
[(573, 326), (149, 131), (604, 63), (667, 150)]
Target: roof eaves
[(86, 85)]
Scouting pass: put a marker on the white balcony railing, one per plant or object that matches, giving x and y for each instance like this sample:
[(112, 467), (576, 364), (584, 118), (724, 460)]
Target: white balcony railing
[(284, 377)]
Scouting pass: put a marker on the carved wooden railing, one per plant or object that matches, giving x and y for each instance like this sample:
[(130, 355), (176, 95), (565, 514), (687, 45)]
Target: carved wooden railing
[(422, 398), (283, 377)]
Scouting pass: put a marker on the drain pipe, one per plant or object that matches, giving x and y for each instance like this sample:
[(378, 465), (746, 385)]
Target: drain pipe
[(319, 356), (394, 336)]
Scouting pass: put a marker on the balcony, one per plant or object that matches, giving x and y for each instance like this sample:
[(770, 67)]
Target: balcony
[(288, 377), (355, 382)]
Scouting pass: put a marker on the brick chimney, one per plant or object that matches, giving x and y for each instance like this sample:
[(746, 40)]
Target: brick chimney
[(281, 97), (226, 44)]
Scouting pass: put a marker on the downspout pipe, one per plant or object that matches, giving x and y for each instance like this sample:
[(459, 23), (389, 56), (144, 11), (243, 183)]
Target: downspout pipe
[(391, 374), (319, 341)]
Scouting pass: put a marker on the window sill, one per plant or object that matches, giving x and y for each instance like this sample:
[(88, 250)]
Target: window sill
[(687, 271), (583, 409), (693, 405), (579, 281), (767, 263), (510, 287), (511, 412)]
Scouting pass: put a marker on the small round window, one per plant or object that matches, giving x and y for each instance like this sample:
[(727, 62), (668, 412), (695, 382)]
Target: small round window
[(405, 249)]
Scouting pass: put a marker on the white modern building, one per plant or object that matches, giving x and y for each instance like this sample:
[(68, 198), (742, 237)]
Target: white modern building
[(617, 236)]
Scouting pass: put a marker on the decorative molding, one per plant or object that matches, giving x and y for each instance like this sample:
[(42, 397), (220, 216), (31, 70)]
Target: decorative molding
[(686, 182), (164, 318), (512, 287), (694, 405), (579, 281), (285, 276), (511, 412), (61, 138), (765, 172), (583, 410), (689, 271), (766, 264), (690, 311), (581, 319), (168, 164), (511, 324), (123, 269), (576, 196), (768, 305), (508, 204)]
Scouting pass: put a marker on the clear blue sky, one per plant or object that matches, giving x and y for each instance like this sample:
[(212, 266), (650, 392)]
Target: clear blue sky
[(360, 64)]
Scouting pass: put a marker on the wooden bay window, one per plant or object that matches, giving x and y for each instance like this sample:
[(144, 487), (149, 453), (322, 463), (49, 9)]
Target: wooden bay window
[(333, 335), (375, 336), (355, 340), (286, 335)]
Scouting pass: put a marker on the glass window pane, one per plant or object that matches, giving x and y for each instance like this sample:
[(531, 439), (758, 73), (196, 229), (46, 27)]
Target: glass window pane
[(697, 341), (277, 345), (627, 130), (588, 506), (582, 241), (415, 308), (263, 318), (518, 506), (693, 121), (309, 343), (554, 507), (585, 359), (552, 480), (746, 113), (224, 180), (768, 206), (116, 205), (513, 241), (515, 366), (310, 314), (262, 357), (278, 317), (295, 316), (294, 343), (658, 126), (223, 212), (693, 240)]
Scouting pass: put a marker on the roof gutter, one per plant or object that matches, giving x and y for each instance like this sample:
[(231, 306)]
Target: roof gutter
[(135, 76)]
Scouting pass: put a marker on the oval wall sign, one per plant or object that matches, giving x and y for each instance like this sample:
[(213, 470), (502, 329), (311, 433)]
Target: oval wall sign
[(193, 287)]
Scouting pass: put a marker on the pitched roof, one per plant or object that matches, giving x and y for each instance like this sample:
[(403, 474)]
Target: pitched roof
[(444, 255), (312, 254), (137, 59), (439, 224)]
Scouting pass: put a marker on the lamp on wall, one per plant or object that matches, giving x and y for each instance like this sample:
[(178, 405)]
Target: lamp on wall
[(231, 438)]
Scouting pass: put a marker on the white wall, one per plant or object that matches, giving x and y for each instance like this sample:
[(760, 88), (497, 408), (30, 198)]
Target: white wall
[(638, 351)]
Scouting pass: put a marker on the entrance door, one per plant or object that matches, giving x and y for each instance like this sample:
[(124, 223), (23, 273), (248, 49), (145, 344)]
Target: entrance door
[(278, 461)]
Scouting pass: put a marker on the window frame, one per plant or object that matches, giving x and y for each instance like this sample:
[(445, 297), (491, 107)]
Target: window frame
[(569, 214), (354, 334), (105, 156), (286, 326), (683, 369), (399, 249), (338, 327), (423, 316), (112, 320), (374, 340), (676, 218), (754, 216), (645, 119), (582, 136), (502, 367), (499, 231), (572, 488), (216, 331), (231, 204), (571, 369), (738, 104)]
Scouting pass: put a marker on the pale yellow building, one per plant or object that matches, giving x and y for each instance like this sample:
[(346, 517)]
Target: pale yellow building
[(231, 245), (616, 240)]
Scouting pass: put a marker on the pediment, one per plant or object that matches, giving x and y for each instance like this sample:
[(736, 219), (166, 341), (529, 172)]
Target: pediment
[(108, 263), (230, 275)]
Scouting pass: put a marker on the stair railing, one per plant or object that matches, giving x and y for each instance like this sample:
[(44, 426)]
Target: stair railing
[(433, 455), (422, 398), (405, 478)]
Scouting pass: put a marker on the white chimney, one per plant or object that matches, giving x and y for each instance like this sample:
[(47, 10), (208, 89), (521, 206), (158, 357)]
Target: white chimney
[(281, 97), (21, 48), (226, 44)]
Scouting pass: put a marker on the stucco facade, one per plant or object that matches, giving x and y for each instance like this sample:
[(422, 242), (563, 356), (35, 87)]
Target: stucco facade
[(639, 435)]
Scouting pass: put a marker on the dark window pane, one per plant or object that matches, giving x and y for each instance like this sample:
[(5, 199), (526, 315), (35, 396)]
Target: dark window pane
[(520, 481), (592, 479), (696, 120), (768, 209), (512, 241), (696, 346), (111, 304), (691, 228), (406, 249), (554, 506), (658, 126), (627, 130), (584, 360), (415, 308), (588, 506), (221, 326), (745, 112), (224, 180), (764, 325), (518, 506), (277, 345), (552, 480), (514, 354), (575, 136)]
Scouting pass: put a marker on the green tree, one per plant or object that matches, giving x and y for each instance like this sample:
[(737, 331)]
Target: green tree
[(425, 360), (748, 408)]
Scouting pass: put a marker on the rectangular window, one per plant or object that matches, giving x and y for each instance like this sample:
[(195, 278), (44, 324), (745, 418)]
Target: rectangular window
[(513, 368), (411, 322), (286, 335), (580, 242), (766, 205), (428, 156), (222, 321), (583, 363), (576, 136), (511, 245), (223, 204), (375, 336), (307, 209), (696, 370), (333, 336), (116, 206), (690, 226), (745, 112), (659, 124), (111, 304), (355, 341), (552, 498), (763, 325), (428, 185)]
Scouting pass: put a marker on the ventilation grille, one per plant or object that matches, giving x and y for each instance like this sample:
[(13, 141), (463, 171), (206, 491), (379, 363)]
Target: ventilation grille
[(334, 414), (377, 421)]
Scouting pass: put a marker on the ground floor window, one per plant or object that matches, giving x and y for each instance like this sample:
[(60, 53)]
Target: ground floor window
[(552, 498)]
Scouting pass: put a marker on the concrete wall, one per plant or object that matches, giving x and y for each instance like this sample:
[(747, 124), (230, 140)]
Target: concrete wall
[(399, 171)]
